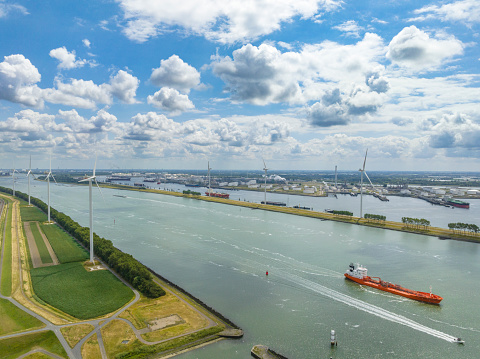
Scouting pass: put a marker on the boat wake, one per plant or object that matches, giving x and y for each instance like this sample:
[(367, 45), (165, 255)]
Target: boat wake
[(366, 307)]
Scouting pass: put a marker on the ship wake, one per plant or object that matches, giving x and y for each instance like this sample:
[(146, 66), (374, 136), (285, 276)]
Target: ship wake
[(366, 307)]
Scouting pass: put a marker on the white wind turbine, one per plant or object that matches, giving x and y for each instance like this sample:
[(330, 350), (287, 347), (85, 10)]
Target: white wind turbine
[(362, 170), (13, 179), (209, 190), (48, 187), (265, 169), (90, 179), (28, 175)]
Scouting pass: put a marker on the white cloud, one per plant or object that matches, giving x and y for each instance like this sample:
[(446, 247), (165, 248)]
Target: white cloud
[(170, 100), (457, 11), (217, 20), (86, 43), (263, 75), (350, 28), (176, 74), (415, 49), (79, 93), (6, 9), (18, 78), (73, 122), (151, 126), (124, 86), (67, 59), (29, 125), (453, 130)]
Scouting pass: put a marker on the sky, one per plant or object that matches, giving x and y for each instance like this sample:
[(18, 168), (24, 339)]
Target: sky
[(301, 84)]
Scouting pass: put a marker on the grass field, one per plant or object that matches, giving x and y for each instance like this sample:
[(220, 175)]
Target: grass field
[(14, 320), (64, 246), (6, 286), (41, 246), (14, 347), (31, 213), (75, 333), (70, 288)]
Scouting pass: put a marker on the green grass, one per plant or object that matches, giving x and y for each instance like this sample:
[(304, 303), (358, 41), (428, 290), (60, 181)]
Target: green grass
[(14, 347), (6, 285), (15, 320), (41, 246), (32, 214), (70, 288), (64, 246)]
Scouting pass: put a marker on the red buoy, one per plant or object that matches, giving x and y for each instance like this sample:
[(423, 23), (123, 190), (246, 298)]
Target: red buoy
[(266, 273)]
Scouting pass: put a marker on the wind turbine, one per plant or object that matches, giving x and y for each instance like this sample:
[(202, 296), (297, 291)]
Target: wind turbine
[(28, 175), (209, 190), (90, 179), (362, 170), (265, 169), (48, 187), (13, 179)]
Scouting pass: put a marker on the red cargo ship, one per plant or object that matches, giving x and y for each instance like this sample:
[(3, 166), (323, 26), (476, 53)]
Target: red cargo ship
[(219, 195), (358, 274)]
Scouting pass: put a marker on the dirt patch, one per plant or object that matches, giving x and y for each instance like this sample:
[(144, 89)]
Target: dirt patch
[(166, 322), (34, 254)]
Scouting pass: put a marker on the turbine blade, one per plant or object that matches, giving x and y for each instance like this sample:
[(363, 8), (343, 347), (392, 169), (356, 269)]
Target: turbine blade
[(365, 159), (99, 190), (369, 179), (54, 178), (95, 165), (264, 165)]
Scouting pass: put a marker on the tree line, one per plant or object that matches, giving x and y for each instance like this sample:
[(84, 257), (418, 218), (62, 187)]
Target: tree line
[(375, 217), (343, 213), (464, 227), (416, 222), (124, 264)]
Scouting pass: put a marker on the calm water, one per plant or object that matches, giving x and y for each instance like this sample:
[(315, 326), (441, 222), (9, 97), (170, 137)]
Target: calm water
[(220, 254)]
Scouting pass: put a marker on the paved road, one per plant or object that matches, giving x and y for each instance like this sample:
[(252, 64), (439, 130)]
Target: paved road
[(98, 324)]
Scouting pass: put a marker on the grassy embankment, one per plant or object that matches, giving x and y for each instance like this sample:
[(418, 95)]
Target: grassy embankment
[(6, 227), (14, 347), (397, 226), (68, 286)]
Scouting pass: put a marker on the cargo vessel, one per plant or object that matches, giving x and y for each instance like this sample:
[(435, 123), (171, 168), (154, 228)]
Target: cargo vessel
[(358, 274), (218, 195), (457, 203)]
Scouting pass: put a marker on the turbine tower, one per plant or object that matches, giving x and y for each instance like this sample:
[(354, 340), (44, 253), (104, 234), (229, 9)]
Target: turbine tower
[(48, 187), (209, 190), (362, 170), (28, 175), (90, 179), (265, 169), (13, 179)]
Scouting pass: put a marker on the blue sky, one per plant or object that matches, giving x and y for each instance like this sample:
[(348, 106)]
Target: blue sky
[(304, 84)]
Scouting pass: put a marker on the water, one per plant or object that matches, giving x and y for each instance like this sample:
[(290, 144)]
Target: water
[(220, 254)]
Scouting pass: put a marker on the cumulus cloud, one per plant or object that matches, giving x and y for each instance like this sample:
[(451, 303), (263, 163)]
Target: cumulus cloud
[(29, 125), (150, 126), (458, 11), (18, 78), (454, 130), (73, 122), (216, 20), (350, 28), (263, 75), (170, 100), (86, 43), (176, 74), (415, 49), (67, 59), (259, 75), (124, 86)]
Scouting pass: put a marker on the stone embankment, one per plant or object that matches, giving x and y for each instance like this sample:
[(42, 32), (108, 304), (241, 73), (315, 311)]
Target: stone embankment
[(264, 352)]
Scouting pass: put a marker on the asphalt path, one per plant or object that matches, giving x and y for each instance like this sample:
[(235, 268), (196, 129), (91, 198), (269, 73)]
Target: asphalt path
[(98, 324)]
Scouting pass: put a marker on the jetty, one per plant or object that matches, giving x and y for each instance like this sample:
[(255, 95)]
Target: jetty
[(264, 352)]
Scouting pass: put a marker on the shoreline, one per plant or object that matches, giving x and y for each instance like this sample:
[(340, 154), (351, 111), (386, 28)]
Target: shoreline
[(441, 233)]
